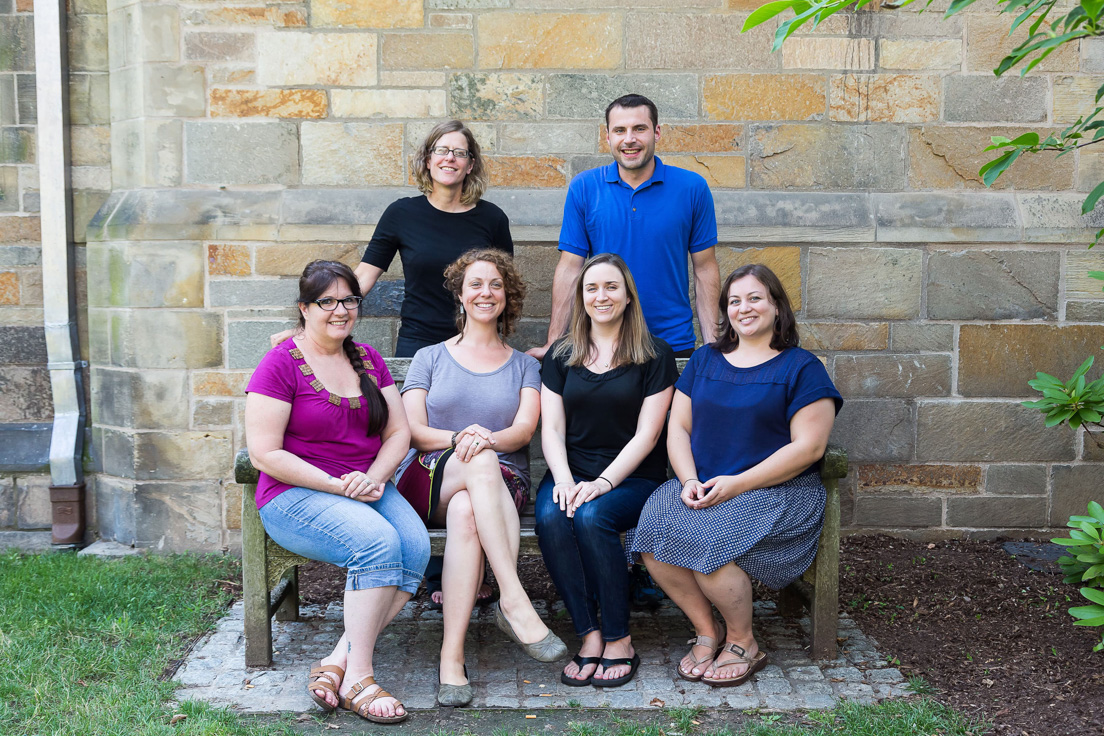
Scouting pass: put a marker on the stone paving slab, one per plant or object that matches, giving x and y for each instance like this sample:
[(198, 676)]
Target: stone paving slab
[(503, 677)]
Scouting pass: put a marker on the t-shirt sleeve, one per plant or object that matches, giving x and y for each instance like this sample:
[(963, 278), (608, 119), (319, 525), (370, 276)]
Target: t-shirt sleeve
[(573, 236), (385, 240), (554, 372), (661, 371), (379, 366), (420, 372), (685, 382), (274, 377), (703, 232), (530, 372), (811, 384), (501, 238)]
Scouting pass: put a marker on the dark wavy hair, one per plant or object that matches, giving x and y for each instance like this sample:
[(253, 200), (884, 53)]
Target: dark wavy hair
[(634, 100), (317, 277), (475, 183), (511, 281), (785, 323)]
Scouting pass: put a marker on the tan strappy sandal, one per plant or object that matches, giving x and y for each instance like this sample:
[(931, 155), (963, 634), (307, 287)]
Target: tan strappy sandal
[(740, 656), (702, 641), (361, 708), (318, 680)]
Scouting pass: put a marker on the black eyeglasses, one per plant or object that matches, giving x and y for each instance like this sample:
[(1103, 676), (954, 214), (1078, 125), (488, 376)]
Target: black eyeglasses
[(351, 303), (457, 152)]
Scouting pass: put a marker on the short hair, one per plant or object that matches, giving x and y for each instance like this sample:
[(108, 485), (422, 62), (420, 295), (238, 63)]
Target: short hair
[(634, 343), (512, 282), (785, 323), (634, 100), (475, 183)]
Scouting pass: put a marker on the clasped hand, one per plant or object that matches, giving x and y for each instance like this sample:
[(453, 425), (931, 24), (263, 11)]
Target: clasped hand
[(698, 495), (472, 440), (570, 496), (359, 487)]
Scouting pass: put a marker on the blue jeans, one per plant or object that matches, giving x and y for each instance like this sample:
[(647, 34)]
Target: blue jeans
[(380, 543), (585, 557)]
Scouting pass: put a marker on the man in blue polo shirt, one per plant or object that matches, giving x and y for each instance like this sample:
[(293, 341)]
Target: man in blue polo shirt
[(651, 215)]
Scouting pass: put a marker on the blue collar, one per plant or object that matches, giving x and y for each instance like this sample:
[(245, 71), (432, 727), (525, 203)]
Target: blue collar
[(613, 176)]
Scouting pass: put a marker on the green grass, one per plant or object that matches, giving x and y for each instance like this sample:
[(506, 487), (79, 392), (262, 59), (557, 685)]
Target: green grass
[(85, 644)]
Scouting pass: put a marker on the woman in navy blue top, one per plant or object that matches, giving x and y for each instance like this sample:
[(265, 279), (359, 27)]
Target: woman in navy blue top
[(749, 422)]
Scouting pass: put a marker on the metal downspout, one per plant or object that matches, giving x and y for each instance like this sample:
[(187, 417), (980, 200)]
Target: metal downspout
[(58, 274)]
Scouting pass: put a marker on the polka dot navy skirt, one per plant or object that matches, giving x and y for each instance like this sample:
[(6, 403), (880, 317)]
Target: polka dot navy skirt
[(770, 533)]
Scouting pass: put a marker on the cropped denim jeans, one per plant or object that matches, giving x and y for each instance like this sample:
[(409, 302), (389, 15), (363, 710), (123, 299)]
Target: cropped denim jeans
[(380, 543), (584, 555)]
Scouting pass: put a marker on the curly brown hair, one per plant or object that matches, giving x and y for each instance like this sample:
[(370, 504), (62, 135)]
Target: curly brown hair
[(511, 280)]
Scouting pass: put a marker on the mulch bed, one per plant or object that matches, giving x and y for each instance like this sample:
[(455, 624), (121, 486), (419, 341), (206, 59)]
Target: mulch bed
[(989, 634)]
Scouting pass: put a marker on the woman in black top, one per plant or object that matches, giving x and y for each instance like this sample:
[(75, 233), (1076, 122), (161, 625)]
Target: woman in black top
[(608, 384)]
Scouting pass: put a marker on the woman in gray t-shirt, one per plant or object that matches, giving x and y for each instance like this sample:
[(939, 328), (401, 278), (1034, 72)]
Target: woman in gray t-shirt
[(473, 404)]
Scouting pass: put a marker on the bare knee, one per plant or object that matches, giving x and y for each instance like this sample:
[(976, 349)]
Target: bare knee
[(460, 517), (483, 472)]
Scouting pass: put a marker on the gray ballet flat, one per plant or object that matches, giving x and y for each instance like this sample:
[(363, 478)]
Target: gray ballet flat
[(454, 696), (548, 649)]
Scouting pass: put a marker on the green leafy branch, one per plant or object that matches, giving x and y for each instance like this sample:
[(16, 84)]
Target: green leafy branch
[(1086, 565), (1073, 401)]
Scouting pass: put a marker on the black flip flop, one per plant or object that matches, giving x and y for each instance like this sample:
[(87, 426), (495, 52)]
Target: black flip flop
[(581, 662), (634, 662)]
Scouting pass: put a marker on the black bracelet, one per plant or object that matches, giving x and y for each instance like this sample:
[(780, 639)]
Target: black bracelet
[(688, 480), (454, 434), (606, 480)]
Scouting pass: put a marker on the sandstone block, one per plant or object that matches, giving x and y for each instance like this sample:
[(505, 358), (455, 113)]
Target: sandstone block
[(331, 59), (1074, 97), (210, 414), (1023, 350), (241, 153), (1090, 169), (909, 54), (876, 430), (352, 154), (512, 40), (993, 285), (675, 138), (32, 502), (950, 157), (23, 345), (7, 502), (721, 172), (826, 157), (249, 341), (87, 42), (579, 164), (527, 171), (20, 255), (916, 337), (1085, 311), (147, 152), (253, 292), (290, 259), (853, 54), (867, 283), (884, 98), (156, 34), (988, 42), (847, 336), (412, 79), (176, 517), (9, 288), (220, 383), (888, 512), (969, 99), (763, 96), (987, 431), (224, 259), (1016, 480), (586, 95), (20, 230), (542, 138), (90, 145), (1000, 512), (270, 16), (218, 46), (9, 189), (269, 103), (1073, 487), (428, 50), (696, 41), (379, 333), (784, 261), (17, 146), (17, 42), (925, 479), (496, 96), (27, 98), (9, 106), (179, 455), (140, 400), (486, 134), (146, 275), (388, 103), (1092, 55), (366, 13), (1079, 285), (160, 338), (538, 265), (27, 393), (924, 217), (450, 20), (173, 91), (467, 4), (906, 376)]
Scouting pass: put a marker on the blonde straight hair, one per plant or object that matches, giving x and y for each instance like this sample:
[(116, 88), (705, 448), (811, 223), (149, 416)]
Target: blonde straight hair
[(634, 343)]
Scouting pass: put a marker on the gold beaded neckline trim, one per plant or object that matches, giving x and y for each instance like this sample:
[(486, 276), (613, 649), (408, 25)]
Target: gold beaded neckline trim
[(306, 370)]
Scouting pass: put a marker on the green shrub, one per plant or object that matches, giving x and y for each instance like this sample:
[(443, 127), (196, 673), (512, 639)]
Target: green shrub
[(1085, 564)]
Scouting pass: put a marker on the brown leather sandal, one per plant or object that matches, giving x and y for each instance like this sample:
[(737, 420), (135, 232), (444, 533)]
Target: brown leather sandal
[(318, 680), (740, 656), (702, 641), (361, 708)]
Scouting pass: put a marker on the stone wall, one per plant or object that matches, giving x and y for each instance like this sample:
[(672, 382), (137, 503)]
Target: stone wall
[(26, 407), (250, 137)]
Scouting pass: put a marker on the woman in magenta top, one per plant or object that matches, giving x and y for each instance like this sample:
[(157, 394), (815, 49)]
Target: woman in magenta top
[(326, 429)]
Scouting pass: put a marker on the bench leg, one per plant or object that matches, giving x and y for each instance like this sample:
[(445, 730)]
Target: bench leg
[(258, 627), (289, 607), (824, 608)]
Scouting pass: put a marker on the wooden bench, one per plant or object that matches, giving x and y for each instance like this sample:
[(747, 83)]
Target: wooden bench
[(270, 574)]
